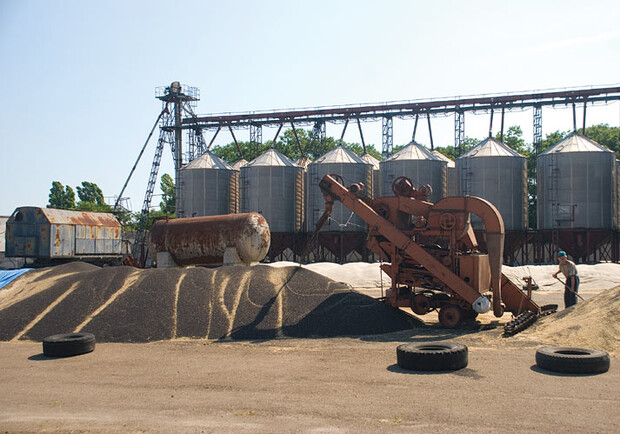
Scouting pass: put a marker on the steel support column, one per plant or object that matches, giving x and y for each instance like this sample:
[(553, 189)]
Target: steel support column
[(387, 135), (459, 130), (537, 128), (256, 134)]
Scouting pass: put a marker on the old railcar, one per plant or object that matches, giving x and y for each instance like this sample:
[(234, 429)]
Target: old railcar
[(48, 235)]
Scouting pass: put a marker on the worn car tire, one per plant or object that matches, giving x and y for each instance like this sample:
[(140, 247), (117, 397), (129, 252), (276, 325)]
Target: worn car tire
[(432, 356), (68, 344), (572, 360)]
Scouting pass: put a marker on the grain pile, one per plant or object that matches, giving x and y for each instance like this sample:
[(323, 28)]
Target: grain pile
[(124, 304), (594, 323)]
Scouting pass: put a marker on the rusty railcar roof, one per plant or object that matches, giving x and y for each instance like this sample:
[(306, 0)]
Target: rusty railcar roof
[(86, 218)]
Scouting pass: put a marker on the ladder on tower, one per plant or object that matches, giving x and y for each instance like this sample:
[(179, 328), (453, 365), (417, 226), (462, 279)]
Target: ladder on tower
[(555, 206)]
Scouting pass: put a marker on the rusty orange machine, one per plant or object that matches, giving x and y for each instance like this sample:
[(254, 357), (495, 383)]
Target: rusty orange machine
[(432, 253)]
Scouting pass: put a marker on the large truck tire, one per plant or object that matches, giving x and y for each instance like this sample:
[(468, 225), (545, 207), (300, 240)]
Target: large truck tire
[(68, 344), (572, 360), (432, 356)]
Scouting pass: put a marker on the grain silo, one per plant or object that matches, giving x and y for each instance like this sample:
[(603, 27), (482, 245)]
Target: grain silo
[(210, 187), (497, 173), (352, 169), (452, 189), (273, 186), (375, 190), (577, 183), (418, 164), (237, 165)]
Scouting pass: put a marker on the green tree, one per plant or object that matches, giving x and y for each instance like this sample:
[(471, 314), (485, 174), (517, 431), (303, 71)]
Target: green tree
[(453, 152), (91, 198), (61, 197), (514, 139), (605, 135), (169, 196), (288, 145)]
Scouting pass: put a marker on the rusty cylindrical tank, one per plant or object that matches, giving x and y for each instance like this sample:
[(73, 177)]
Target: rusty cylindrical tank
[(203, 240)]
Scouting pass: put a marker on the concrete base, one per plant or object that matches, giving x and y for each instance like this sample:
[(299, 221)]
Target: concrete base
[(164, 260), (231, 257)]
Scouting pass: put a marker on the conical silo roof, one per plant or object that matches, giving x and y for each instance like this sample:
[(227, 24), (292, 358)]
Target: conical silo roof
[(576, 142), (208, 161), (444, 158), (270, 158), (413, 151), (367, 158), (490, 147), (239, 164), (339, 154)]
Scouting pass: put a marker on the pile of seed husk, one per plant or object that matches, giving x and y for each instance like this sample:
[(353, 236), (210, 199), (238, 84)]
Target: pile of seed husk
[(594, 323), (125, 304)]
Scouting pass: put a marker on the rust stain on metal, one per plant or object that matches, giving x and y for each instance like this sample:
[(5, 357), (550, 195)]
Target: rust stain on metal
[(203, 240)]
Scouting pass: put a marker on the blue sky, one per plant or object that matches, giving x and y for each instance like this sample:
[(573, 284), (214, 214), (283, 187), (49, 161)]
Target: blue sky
[(78, 77)]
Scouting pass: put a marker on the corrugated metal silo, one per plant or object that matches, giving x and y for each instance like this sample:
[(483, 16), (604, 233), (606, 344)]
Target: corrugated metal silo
[(576, 182), (273, 186), (210, 187), (497, 173), (352, 168), (451, 189), (376, 175), (418, 164)]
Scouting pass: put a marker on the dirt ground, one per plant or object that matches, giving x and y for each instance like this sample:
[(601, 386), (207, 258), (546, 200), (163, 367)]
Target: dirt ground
[(302, 385)]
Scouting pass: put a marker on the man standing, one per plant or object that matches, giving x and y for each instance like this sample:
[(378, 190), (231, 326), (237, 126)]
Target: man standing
[(569, 270)]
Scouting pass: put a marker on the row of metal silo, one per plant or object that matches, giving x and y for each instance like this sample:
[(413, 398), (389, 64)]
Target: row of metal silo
[(577, 181)]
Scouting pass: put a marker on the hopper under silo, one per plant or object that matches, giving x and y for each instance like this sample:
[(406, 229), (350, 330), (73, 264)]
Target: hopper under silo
[(497, 173), (352, 169), (273, 186), (418, 164), (577, 185)]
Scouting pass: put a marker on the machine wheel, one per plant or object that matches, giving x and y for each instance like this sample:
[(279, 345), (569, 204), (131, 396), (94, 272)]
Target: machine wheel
[(432, 356), (68, 344), (421, 304), (572, 360), (450, 316), (402, 186)]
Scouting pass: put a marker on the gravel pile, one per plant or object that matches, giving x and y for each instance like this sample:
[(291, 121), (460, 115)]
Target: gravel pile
[(125, 304)]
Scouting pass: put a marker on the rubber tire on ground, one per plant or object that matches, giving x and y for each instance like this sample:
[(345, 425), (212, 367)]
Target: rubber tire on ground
[(432, 356), (68, 344), (572, 360)]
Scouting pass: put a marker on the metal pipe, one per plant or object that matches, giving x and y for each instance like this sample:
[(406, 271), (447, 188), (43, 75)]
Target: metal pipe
[(415, 127), (574, 118), (584, 117), (491, 124), (346, 123), (430, 132), (359, 125), (236, 143), (501, 134), (301, 150), (214, 136), (277, 134)]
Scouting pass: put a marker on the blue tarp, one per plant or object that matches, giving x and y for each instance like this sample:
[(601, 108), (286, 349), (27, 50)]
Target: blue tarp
[(7, 276)]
